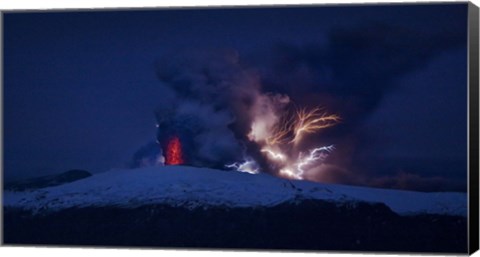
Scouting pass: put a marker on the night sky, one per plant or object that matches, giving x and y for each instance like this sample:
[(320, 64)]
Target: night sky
[(81, 88)]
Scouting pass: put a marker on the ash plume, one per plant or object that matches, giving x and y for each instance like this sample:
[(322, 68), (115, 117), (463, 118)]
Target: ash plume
[(352, 75), (209, 108), (225, 111)]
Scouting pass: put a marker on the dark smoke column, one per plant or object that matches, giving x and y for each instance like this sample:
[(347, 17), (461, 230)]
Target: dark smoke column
[(208, 95)]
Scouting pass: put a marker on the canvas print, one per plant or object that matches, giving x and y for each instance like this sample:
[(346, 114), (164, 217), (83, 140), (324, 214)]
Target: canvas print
[(326, 128)]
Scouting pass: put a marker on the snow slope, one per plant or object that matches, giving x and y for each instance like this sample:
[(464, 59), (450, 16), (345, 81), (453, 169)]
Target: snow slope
[(200, 187)]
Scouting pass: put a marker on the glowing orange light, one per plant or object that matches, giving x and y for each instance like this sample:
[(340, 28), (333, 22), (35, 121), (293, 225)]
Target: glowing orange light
[(312, 121), (173, 154), (291, 127)]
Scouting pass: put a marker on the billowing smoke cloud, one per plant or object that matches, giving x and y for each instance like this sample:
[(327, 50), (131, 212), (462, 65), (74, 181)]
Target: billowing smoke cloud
[(226, 112), (211, 106), (357, 68), (224, 119), (351, 76)]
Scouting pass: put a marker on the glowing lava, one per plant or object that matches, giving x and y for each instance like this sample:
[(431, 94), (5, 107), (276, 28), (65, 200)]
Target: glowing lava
[(173, 154)]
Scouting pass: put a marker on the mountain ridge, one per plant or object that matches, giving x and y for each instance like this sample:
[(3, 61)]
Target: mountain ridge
[(201, 187)]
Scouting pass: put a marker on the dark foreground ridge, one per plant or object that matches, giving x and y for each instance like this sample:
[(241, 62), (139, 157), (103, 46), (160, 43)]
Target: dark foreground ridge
[(307, 225), (47, 181)]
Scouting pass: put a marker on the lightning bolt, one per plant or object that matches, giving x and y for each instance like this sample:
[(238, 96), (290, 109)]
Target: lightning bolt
[(287, 131), (248, 166), (274, 155), (314, 155), (289, 173)]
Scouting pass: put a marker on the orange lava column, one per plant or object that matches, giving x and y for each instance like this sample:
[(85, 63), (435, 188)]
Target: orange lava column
[(173, 155)]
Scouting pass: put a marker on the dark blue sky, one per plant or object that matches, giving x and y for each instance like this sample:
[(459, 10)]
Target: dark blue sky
[(80, 88)]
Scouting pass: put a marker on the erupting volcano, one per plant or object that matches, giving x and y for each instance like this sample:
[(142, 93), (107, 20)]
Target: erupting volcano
[(225, 118), (173, 153)]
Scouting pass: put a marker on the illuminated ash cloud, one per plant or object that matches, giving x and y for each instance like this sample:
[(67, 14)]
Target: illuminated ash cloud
[(352, 75), (223, 118), (279, 132), (297, 111)]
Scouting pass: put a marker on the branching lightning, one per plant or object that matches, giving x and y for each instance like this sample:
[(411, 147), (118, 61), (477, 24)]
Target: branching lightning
[(283, 131), (290, 130), (312, 121), (291, 127), (316, 154), (284, 135)]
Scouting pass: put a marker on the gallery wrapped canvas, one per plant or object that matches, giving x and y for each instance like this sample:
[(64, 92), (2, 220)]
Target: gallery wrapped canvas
[(346, 128)]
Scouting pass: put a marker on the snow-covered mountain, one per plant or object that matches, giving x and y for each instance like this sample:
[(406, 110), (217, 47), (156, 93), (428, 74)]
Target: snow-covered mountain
[(189, 187)]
